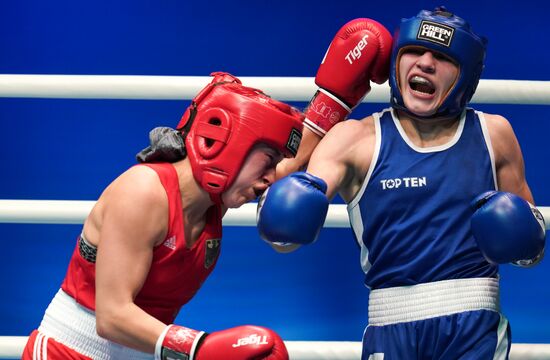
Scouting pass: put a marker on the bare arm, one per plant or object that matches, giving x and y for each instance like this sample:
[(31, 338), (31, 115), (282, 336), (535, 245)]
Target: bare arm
[(309, 142), (134, 219), (510, 168), (341, 159), (298, 163)]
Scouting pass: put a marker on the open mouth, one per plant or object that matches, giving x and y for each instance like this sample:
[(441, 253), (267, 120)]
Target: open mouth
[(420, 84), (258, 192)]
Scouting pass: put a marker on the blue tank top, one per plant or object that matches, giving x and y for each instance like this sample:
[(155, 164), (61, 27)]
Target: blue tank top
[(411, 217)]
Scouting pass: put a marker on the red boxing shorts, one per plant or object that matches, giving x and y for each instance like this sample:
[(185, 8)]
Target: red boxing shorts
[(42, 347)]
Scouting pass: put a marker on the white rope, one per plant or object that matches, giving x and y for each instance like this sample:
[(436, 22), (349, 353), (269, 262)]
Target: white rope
[(12, 347), (344, 350), (75, 212), (44, 211), (186, 87), (141, 87)]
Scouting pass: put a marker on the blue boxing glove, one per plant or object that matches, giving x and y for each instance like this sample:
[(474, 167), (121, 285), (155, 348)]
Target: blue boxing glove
[(508, 229), (293, 210)]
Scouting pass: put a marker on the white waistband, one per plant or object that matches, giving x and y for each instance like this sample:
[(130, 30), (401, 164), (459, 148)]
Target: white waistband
[(75, 326), (424, 301)]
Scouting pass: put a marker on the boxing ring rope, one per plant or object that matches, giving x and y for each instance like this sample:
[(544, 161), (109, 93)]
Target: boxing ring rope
[(74, 212), (12, 347), (186, 87)]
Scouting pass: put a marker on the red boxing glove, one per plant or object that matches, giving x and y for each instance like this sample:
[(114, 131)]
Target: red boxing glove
[(245, 342), (359, 53)]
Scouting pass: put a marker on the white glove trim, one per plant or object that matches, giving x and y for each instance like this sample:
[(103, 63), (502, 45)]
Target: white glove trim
[(313, 127), (160, 340), (340, 102)]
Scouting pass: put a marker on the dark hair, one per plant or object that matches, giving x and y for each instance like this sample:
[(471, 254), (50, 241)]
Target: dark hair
[(166, 145)]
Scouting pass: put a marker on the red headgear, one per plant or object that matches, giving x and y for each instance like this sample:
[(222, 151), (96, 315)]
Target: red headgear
[(222, 124)]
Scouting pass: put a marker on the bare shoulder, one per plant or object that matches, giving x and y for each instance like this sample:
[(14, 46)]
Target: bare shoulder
[(352, 129), (139, 183), (344, 156), (361, 137), (509, 161), (498, 125), (349, 136), (501, 133), (136, 199)]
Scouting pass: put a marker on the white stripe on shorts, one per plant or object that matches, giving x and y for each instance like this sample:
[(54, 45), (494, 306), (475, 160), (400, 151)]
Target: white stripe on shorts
[(40, 349)]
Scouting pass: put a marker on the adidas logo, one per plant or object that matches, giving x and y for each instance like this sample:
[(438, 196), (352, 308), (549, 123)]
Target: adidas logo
[(170, 242)]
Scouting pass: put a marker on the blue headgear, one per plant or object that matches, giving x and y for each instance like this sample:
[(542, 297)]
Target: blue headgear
[(450, 35)]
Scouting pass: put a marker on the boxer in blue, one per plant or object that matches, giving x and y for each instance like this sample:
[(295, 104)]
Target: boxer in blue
[(437, 198)]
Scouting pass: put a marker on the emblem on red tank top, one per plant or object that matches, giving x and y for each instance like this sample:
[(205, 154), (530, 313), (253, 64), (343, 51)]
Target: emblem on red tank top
[(212, 250), (170, 242)]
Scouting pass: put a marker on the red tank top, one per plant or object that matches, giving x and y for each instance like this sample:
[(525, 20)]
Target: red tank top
[(176, 272)]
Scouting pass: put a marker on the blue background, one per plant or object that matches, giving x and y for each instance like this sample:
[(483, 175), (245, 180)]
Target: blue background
[(71, 149)]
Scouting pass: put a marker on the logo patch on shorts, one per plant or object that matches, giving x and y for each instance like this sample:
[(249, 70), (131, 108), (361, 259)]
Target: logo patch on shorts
[(211, 252), (294, 141), (435, 32)]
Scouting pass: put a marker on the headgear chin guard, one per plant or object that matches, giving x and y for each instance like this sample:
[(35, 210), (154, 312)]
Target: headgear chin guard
[(225, 121), (450, 35)]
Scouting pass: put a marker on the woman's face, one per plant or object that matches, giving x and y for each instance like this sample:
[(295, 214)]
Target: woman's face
[(256, 175), (425, 79)]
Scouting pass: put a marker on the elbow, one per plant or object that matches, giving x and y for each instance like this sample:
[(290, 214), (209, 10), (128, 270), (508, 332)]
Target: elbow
[(106, 325), (103, 327)]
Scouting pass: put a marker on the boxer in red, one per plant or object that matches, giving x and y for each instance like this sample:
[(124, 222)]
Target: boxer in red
[(154, 236)]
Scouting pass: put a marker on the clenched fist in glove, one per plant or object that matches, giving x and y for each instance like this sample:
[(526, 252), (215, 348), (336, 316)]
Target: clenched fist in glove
[(508, 229), (293, 210), (245, 342), (359, 53)]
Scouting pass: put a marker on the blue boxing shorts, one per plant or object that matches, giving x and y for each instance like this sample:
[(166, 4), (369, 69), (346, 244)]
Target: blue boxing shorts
[(450, 319)]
